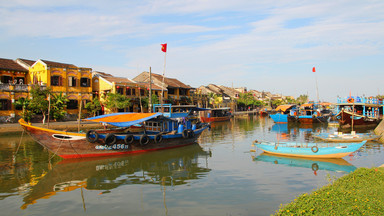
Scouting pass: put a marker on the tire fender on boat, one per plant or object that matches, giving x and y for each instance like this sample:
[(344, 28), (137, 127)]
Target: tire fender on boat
[(144, 140), (184, 133), (128, 139), (314, 149), (191, 134), (89, 135), (158, 138), (110, 139)]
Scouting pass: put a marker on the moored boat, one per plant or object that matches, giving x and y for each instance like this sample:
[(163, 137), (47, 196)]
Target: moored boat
[(309, 150), (346, 137), (359, 111), (158, 133), (284, 114), (312, 113), (216, 115)]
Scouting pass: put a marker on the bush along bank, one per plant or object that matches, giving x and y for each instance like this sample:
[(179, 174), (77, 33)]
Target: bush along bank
[(358, 193)]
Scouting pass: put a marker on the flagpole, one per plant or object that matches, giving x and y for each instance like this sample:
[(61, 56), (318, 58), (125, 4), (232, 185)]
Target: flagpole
[(317, 88), (164, 49)]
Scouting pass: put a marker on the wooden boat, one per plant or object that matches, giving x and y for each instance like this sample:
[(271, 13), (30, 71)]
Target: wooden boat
[(215, 115), (329, 164), (311, 113), (159, 133), (346, 137), (284, 114), (359, 111), (309, 150)]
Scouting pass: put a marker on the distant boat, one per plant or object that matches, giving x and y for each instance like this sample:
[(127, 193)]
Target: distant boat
[(311, 113), (359, 111), (284, 114), (215, 115), (346, 137), (330, 164), (309, 150), (158, 133)]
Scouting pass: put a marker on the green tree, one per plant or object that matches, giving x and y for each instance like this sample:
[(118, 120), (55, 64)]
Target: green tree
[(93, 106), (302, 99), (39, 102), (145, 100), (58, 103), (27, 114), (115, 101)]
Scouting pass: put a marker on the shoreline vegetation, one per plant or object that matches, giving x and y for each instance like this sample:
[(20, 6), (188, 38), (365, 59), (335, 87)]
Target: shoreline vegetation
[(358, 193)]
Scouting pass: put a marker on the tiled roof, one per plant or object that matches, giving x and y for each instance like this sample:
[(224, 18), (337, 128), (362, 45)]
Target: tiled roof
[(26, 61), (154, 86), (171, 82), (9, 64), (119, 80), (58, 64)]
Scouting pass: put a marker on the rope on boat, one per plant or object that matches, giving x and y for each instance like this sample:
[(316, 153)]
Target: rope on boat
[(21, 138), (61, 141)]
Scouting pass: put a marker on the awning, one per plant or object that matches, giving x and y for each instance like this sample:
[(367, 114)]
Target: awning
[(123, 119), (283, 107), (307, 105)]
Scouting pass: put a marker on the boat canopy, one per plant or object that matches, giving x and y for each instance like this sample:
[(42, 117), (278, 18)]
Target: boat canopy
[(283, 107), (123, 119), (307, 105)]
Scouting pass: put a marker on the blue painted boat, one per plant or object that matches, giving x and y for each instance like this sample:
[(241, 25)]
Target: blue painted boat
[(284, 113), (309, 150), (329, 164)]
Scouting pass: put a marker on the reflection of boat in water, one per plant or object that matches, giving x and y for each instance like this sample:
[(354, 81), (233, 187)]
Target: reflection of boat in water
[(167, 168), (336, 164)]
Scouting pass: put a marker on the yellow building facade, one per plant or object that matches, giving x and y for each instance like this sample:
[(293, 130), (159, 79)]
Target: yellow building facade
[(74, 82), (12, 87)]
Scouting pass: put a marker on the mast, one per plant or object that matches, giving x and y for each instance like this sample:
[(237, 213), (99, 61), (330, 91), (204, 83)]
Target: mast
[(150, 91)]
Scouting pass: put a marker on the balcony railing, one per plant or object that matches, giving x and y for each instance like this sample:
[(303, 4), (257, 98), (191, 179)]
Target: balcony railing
[(4, 87)]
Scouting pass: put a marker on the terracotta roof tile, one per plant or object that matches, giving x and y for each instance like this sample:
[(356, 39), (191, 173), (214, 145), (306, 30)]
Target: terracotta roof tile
[(9, 64), (171, 82), (119, 80), (58, 64)]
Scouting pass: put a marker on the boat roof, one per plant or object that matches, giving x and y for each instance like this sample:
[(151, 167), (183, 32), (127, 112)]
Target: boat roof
[(124, 119), (222, 108), (284, 107)]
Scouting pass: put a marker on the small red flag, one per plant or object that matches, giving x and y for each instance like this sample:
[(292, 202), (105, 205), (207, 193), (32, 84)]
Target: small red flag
[(164, 47), (313, 69)]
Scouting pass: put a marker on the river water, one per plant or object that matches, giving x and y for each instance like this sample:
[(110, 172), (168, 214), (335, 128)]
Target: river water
[(222, 174)]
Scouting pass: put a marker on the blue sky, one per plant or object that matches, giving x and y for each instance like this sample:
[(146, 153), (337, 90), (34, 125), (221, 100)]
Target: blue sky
[(261, 45)]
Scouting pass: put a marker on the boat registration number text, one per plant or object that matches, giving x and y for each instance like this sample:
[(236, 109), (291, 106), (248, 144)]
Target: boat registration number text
[(113, 147)]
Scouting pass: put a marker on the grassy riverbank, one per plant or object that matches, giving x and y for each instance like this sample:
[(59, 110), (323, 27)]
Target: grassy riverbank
[(358, 193)]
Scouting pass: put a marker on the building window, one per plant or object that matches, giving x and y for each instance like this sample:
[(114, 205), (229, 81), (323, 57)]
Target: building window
[(72, 104), (183, 91), (133, 91), (120, 90), (85, 82), (56, 81), (5, 104), (72, 81), (6, 79), (128, 91), (142, 92), (171, 91)]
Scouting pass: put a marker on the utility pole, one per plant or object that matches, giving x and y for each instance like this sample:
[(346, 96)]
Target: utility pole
[(150, 90)]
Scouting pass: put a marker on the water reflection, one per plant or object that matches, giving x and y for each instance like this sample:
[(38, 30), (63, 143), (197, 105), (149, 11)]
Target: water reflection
[(336, 165), (167, 168)]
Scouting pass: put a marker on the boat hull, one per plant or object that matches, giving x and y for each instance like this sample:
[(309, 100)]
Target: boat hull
[(308, 150), (75, 145), (215, 119), (345, 119)]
